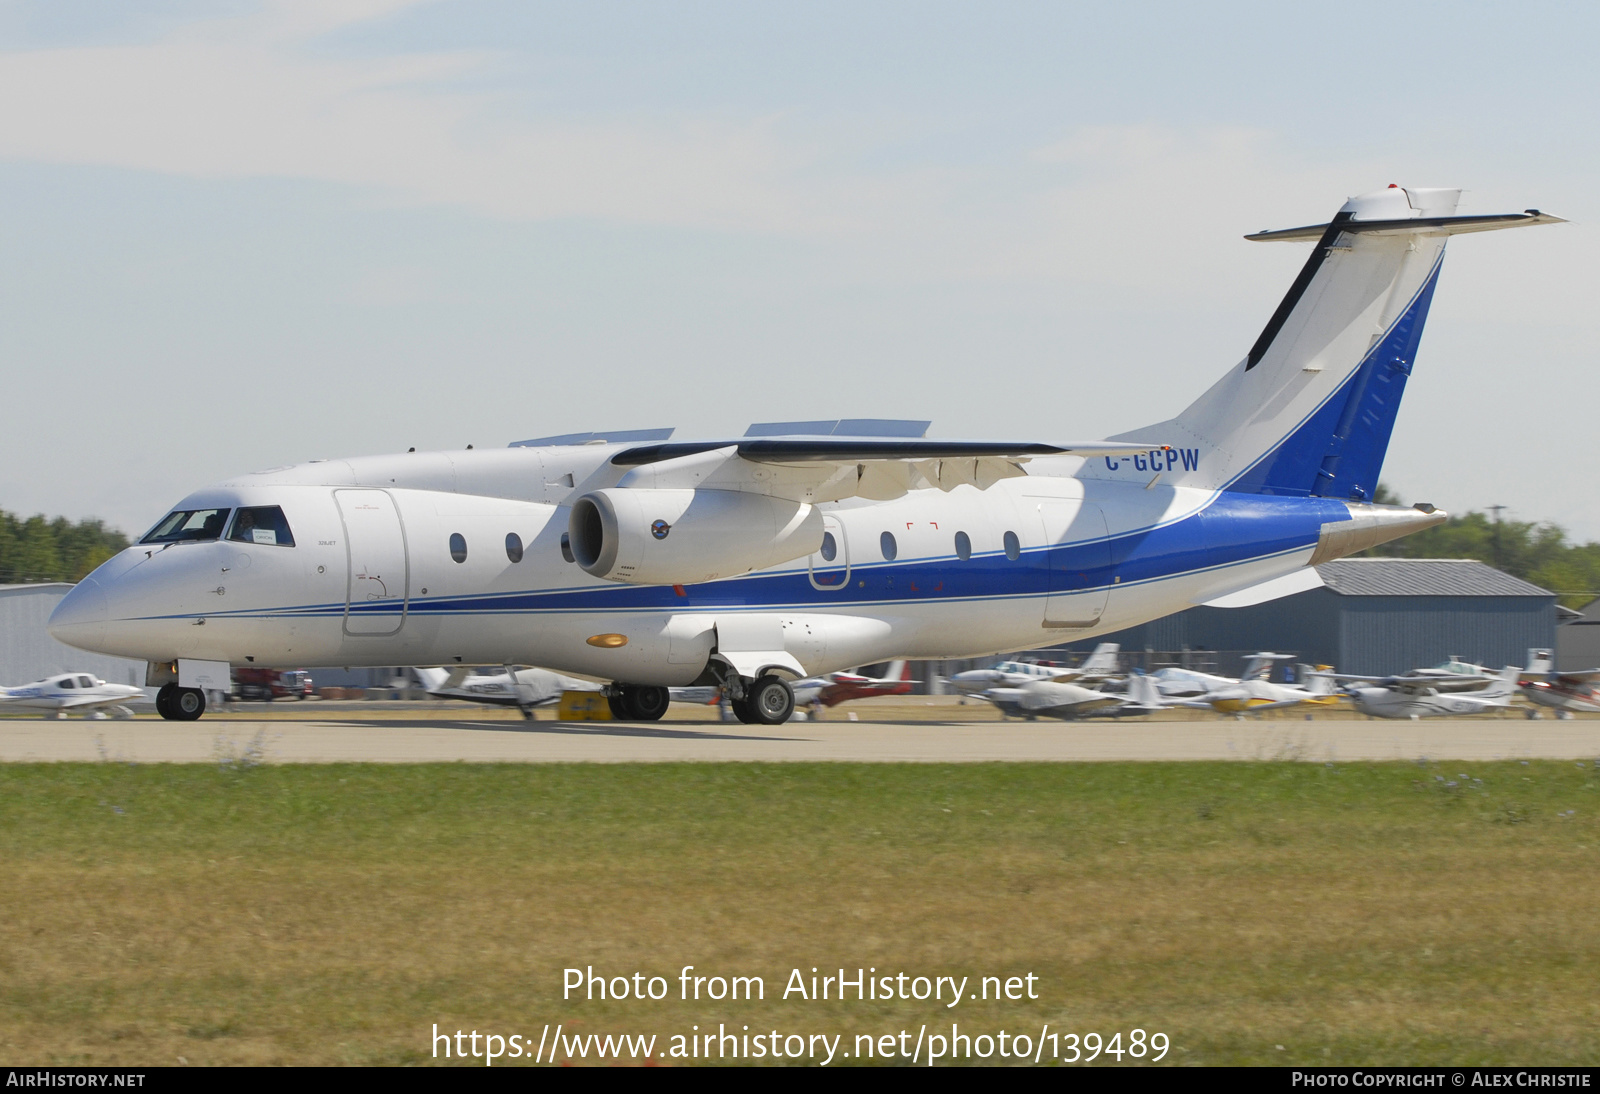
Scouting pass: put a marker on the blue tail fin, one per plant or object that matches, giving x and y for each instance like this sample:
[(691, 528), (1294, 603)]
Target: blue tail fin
[(1309, 410)]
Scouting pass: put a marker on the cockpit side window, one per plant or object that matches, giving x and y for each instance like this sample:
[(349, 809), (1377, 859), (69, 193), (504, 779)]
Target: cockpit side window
[(185, 525), (262, 524), (65, 682)]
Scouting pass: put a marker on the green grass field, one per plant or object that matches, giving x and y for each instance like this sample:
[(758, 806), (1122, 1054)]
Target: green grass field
[(1355, 913)]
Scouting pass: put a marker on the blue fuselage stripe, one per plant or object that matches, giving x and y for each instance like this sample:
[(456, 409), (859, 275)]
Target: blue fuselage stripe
[(1233, 529)]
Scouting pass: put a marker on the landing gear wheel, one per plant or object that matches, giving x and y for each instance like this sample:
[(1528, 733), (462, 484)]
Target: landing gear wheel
[(771, 701), (187, 704), (638, 702), (649, 703), (164, 701), (741, 710)]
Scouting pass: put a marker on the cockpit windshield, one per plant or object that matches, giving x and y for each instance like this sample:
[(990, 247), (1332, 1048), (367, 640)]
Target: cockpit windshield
[(187, 525), (262, 524)]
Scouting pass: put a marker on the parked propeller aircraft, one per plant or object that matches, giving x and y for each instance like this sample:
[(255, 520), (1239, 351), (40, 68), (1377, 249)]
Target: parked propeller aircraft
[(1178, 683), (1099, 665), (845, 686), (1256, 694), (529, 689), (1436, 695), (804, 547), (524, 689), (71, 691), (1068, 701), (833, 688), (1566, 693)]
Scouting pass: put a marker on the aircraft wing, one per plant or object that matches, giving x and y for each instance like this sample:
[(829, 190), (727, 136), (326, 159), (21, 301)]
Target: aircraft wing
[(1580, 676), (1079, 709), (1413, 685), (78, 701), (1440, 685), (821, 469), (1281, 703)]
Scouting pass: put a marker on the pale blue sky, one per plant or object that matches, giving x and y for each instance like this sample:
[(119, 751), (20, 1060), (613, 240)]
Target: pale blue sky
[(239, 234)]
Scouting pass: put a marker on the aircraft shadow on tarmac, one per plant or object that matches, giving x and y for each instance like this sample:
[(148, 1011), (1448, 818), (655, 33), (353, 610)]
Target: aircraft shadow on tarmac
[(574, 729)]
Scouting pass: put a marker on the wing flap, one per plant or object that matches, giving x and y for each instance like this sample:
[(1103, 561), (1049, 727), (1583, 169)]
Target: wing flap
[(821, 469)]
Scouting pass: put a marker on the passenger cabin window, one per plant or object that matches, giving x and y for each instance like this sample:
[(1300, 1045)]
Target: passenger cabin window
[(514, 547), (887, 545), (963, 546), (458, 547), (262, 524), (830, 547), (1013, 546), (188, 525)]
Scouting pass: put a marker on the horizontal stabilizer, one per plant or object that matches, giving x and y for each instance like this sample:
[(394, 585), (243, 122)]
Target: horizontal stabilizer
[(1430, 225), (1287, 585)]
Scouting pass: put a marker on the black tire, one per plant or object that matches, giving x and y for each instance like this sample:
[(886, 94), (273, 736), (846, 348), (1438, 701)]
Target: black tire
[(771, 701), (741, 711), (187, 704), (164, 701), (618, 702), (649, 703)]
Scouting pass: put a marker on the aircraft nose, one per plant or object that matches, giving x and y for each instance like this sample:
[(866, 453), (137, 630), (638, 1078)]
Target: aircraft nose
[(80, 619)]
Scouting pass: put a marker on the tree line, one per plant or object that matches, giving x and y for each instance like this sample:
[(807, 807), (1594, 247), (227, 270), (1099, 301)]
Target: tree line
[(1535, 551), (35, 549)]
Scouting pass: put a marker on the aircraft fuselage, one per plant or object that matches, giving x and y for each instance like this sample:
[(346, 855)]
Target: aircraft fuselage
[(410, 560)]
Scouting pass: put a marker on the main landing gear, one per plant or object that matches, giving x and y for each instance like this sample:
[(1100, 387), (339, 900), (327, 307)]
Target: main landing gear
[(180, 704), (637, 702), (767, 701)]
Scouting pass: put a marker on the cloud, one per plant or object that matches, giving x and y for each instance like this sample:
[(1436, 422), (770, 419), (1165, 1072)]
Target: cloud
[(247, 98)]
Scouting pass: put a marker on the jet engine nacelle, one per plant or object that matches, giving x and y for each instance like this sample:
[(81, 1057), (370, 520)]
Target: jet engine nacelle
[(680, 537)]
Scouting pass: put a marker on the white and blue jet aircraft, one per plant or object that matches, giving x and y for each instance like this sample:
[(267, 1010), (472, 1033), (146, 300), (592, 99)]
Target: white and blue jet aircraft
[(800, 548)]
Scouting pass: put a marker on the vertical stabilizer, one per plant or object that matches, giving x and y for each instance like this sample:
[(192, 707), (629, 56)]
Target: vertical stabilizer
[(1309, 410), (1504, 686)]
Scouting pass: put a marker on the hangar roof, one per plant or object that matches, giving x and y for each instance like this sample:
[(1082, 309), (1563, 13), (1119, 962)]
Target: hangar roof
[(1422, 577)]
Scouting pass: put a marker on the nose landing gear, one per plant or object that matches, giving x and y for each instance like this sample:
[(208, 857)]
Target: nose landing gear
[(180, 704)]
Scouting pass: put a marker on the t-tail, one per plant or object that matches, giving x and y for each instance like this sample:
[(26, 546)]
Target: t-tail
[(1102, 662), (1309, 411), (1503, 687)]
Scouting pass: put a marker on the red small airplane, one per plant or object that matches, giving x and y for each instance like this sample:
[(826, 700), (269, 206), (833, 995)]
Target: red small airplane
[(844, 686)]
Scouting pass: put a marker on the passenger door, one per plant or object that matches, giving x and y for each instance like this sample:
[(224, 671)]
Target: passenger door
[(377, 593)]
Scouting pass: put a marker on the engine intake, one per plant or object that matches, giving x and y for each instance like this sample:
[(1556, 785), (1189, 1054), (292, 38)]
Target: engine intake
[(681, 537)]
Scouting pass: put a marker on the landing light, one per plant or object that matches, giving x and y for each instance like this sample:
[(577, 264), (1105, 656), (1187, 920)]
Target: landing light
[(607, 641)]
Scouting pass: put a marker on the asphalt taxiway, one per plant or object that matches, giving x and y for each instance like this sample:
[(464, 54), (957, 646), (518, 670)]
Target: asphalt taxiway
[(416, 736)]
